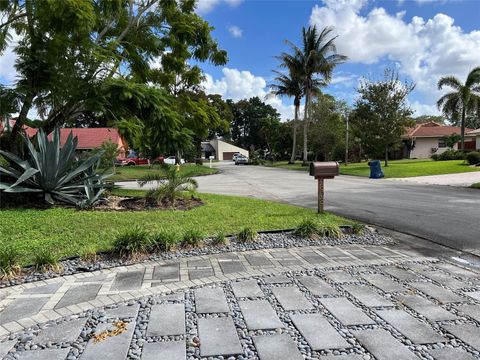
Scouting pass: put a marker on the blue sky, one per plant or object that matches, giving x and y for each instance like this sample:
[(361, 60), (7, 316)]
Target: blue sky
[(423, 39)]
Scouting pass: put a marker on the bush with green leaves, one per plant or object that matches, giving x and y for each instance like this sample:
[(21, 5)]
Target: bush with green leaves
[(308, 228), (449, 154), (192, 237), (46, 260), (53, 171), (473, 157), (171, 185), (247, 235), (132, 242), (108, 154), (163, 240), (8, 261)]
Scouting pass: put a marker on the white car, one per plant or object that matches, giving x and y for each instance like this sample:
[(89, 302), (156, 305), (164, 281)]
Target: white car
[(171, 160)]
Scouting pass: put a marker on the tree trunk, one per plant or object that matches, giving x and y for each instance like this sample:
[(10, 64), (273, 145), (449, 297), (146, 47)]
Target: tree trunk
[(295, 125), (27, 104), (386, 156), (462, 130), (305, 127)]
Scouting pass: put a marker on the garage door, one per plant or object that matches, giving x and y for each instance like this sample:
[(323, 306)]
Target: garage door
[(228, 155)]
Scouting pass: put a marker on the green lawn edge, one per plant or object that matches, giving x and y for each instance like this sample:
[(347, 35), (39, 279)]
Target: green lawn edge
[(396, 169), (132, 173), (71, 232), (475, 186)]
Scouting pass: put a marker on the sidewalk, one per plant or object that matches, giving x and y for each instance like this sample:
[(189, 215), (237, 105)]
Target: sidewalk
[(364, 299), (460, 179)]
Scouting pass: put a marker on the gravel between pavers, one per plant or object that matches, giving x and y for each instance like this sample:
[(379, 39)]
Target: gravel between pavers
[(263, 241), (26, 339)]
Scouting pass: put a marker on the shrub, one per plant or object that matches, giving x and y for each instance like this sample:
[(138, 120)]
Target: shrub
[(192, 238), (449, 155), (171, 184), (60, 177), (163, 240), (132, 242), (329, 230), (220, 239), (46, 260), (308, 228), (473, 157), (8, 261), (246, 235), (358, 228)]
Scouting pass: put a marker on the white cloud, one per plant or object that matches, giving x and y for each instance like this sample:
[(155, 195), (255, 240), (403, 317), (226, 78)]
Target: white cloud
[(205, 6), (237, 85), (423, 49), (235, 31), (424, 109)]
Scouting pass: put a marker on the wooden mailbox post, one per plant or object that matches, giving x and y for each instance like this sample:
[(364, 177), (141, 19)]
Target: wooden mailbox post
[(321, 171)]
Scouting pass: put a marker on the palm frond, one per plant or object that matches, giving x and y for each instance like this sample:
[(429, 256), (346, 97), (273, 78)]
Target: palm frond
[(450, 81)]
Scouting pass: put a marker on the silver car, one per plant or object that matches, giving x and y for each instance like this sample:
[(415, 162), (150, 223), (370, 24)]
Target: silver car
[(241, 159)]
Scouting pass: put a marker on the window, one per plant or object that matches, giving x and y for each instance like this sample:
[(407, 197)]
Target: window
[(441, 143)]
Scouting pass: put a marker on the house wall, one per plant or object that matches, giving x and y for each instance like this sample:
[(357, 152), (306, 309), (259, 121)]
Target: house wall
[(423, 147), (478, 142), (221, 147)]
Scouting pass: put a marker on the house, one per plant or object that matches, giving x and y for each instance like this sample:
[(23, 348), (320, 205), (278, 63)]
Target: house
[(88, 138), (220, 150), (476, 133), (424, 140)]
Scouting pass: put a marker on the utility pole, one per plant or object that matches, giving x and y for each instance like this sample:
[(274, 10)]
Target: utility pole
[(346, 141)]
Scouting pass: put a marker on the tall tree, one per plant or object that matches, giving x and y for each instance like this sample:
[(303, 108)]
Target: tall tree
[(381, 114), (291, 85), (69, 49), (253, 122), (318, 58), (463, 101)]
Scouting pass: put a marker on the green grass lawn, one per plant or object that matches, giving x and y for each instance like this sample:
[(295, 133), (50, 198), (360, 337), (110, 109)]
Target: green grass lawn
[(475, 186), (397, 168), (70, 232), (126, 173)]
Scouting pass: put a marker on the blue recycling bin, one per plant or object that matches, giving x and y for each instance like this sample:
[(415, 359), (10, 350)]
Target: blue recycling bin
[(375, 169)]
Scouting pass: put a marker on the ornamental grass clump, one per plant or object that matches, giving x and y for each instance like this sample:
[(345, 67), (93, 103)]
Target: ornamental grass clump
[(308, 228), (163, 240), (220, 239), (9, 266), (192, 238), (358, 228), (46, 260), (329, 230), (247, 235), (132, 242)]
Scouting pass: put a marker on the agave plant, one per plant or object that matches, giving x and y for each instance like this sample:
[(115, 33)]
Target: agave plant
[(52, 171), (171, 184)]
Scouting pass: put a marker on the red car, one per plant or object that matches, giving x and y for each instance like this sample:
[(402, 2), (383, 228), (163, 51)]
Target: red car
[(136, 159)]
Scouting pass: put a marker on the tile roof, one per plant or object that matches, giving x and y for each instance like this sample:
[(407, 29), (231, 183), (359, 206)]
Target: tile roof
[(88, 138), (432, 129)]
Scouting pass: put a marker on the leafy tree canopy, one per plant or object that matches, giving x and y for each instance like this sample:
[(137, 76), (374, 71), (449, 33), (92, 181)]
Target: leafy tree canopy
[(381, 114), (70, 51)]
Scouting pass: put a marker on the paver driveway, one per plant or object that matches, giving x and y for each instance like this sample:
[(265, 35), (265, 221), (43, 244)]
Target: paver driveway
[(357, 302), (443, 214)]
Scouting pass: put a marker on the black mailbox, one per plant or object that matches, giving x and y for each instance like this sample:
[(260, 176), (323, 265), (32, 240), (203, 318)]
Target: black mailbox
[(324, 170)]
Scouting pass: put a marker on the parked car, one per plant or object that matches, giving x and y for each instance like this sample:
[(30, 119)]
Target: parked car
[(137, 159), (234, 157), (241, 159), (171, 160)]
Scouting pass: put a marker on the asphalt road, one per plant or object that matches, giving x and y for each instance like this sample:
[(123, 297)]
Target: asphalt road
[(443, 214)]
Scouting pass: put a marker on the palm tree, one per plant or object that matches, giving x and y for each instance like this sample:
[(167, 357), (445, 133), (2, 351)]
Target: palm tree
[(317, 56), (465, 98), (171, 185), (289, 85)]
